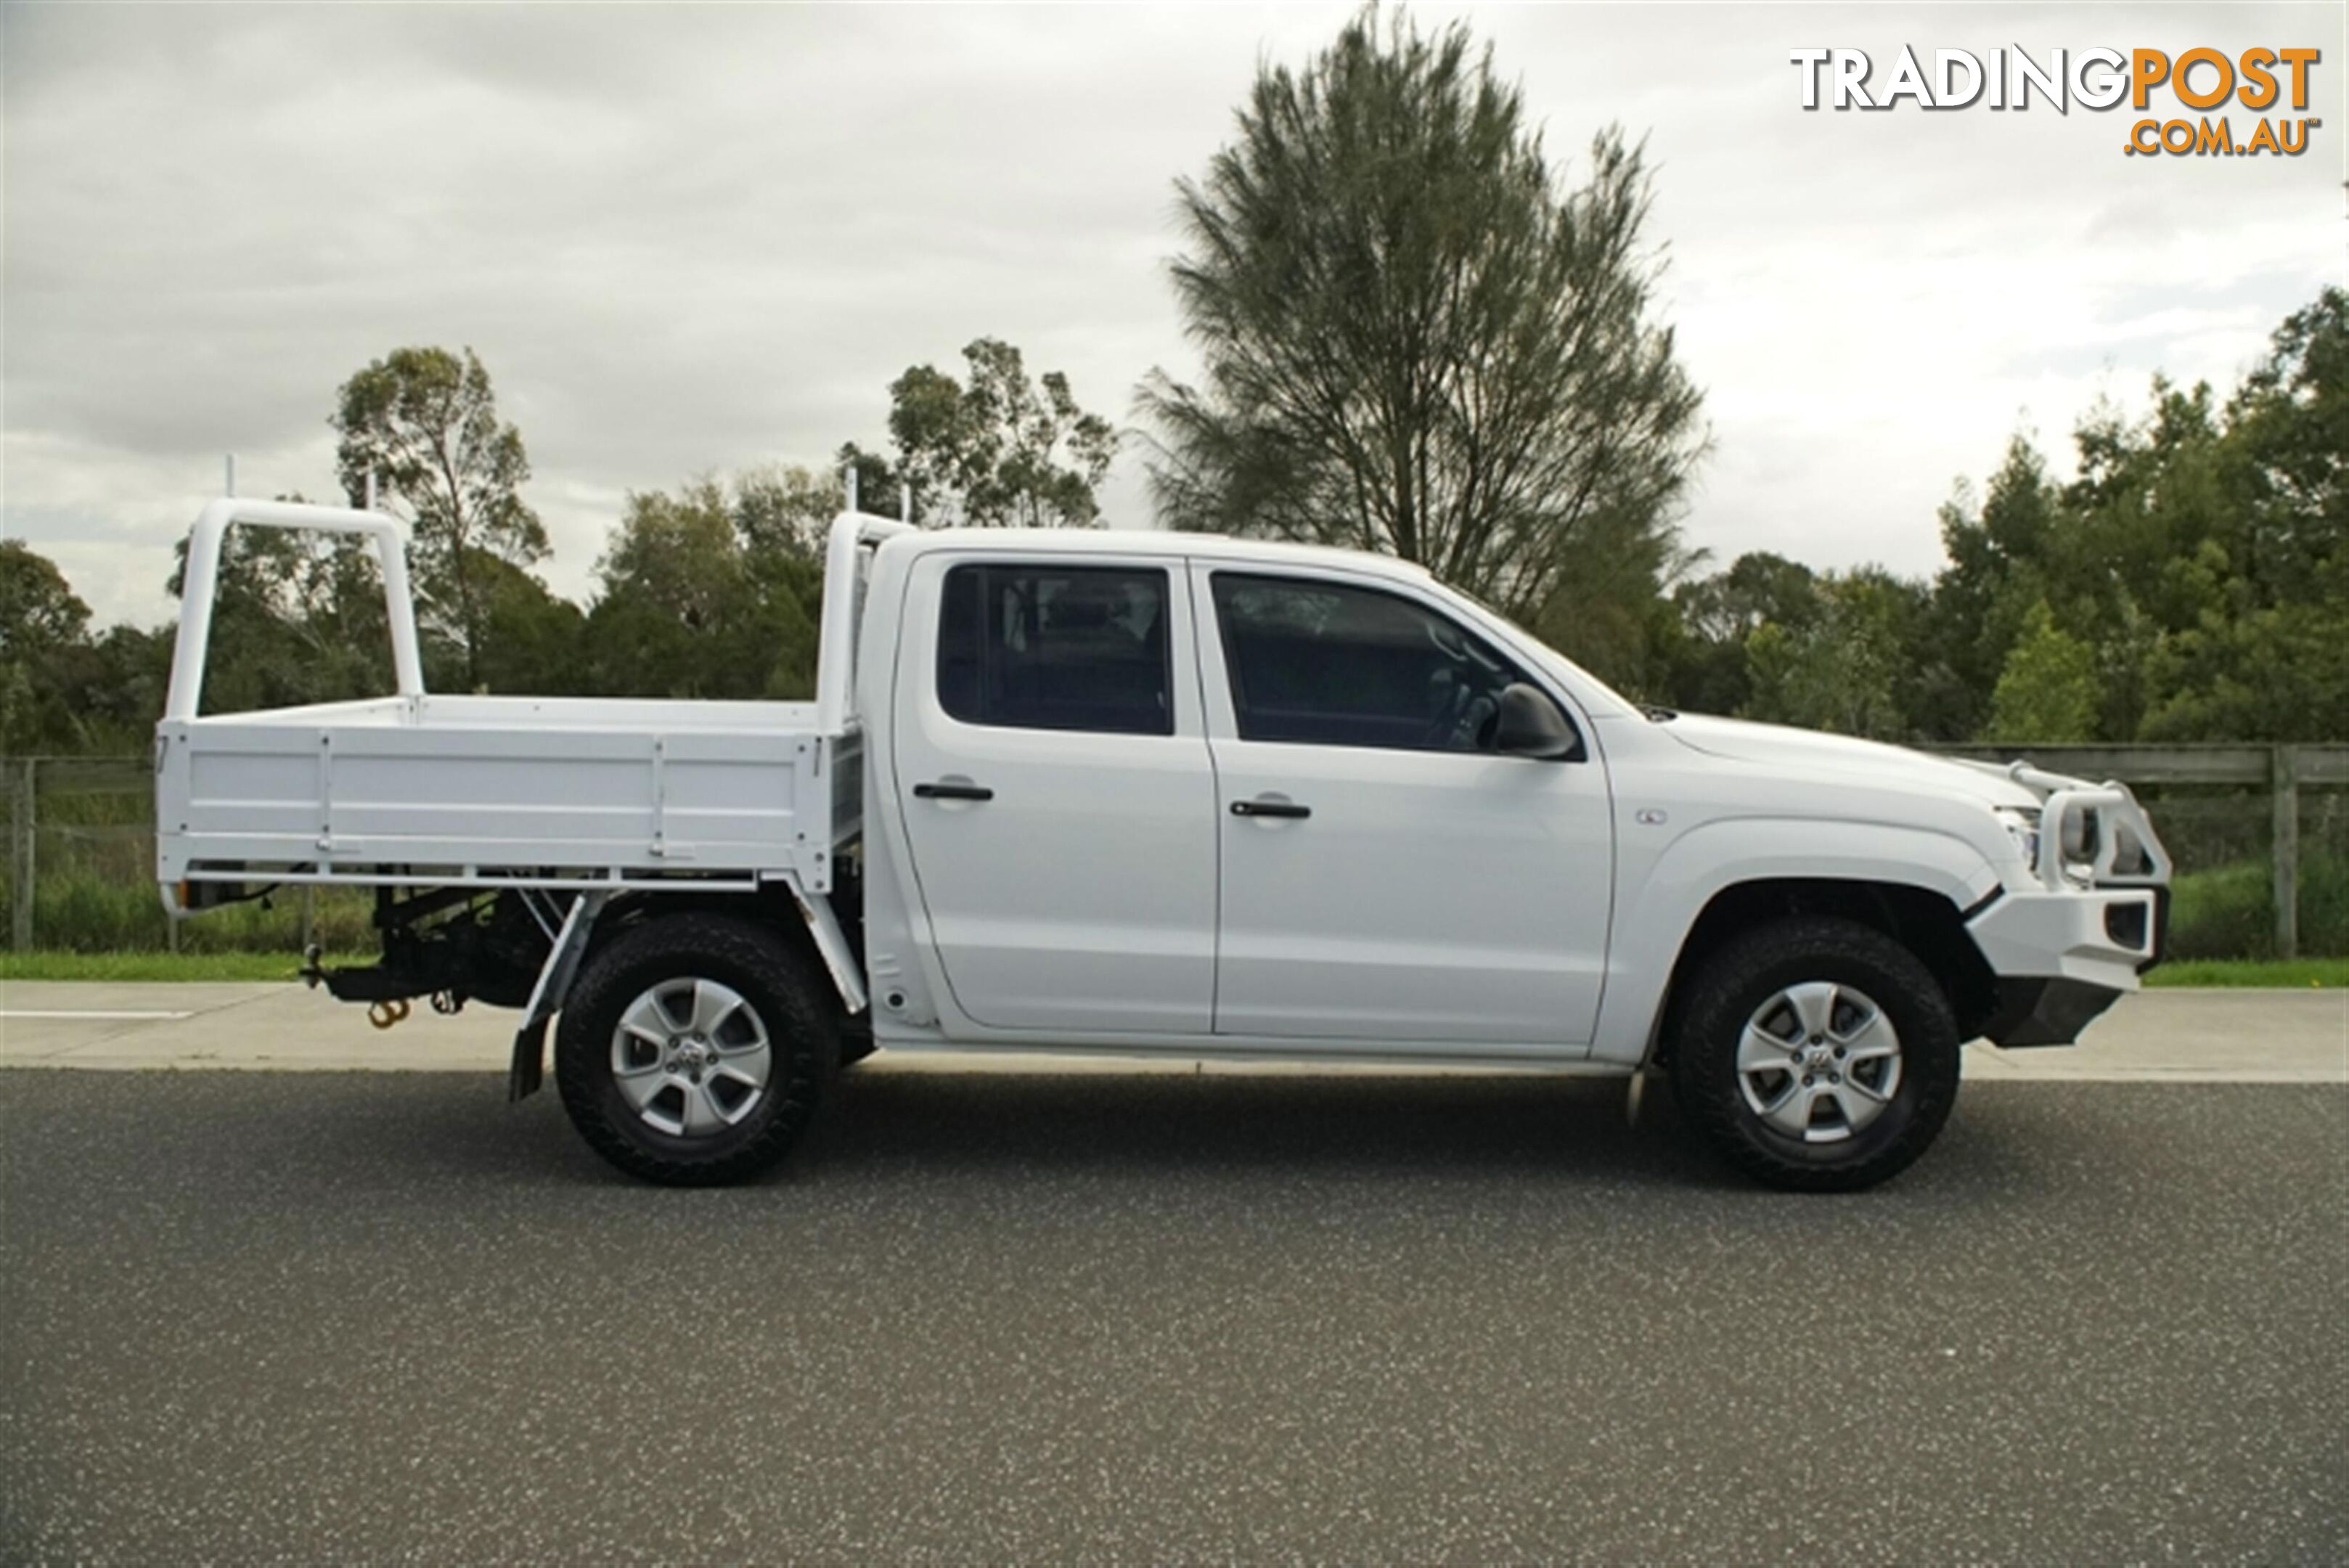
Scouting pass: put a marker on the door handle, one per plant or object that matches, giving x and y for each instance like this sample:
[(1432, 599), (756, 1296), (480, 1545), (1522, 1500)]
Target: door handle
[(952, 792), (1269, 808)]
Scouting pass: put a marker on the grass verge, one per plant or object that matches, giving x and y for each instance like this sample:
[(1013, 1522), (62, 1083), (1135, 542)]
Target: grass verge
[(2322, 974), (162, 966)]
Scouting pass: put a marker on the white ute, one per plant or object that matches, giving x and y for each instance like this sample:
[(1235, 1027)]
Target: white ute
[(1165, 794)]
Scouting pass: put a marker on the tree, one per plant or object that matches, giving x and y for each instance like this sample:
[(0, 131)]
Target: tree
[(2200, 557), (996, 450), (42, 622), (2260, 657), (1980, 597), (675, 599), (119, 685), (1417, 338), (298, 617), (38, 609), (2291, 425), (424, 424), (1708, 664), (2048, 690), (1846, 662), (783, 512), (712, 592), (61, 691), (531, 636), (780, 516)]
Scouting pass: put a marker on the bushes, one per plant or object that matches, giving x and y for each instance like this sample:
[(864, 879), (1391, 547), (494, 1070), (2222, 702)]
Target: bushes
[(2229, 911), (86, 912), (95, 889)]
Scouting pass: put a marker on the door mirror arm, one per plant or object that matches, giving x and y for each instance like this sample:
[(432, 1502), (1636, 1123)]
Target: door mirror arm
[(1530, 725)]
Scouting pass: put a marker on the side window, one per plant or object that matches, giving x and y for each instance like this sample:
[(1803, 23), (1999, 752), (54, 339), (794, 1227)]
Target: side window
[(1332, 665), (1032, 645)]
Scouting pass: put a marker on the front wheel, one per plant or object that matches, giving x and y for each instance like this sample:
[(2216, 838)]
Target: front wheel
[(693, 1048), (1816, 1054)]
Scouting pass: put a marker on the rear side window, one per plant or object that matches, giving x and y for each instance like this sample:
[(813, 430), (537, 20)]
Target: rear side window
[(1329, 664), (1033, 647)]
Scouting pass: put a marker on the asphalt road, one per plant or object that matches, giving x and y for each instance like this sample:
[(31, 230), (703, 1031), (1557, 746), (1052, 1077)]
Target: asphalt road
[(261, 1316)]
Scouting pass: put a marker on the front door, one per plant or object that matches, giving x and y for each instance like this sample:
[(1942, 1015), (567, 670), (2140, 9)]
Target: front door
[(1055, 791), (1385, 875)]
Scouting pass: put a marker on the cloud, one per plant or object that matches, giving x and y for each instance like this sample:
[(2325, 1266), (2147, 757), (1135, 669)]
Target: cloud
[(687, 239)]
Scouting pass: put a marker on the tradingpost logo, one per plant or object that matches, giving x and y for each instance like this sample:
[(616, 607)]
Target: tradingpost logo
[(2175, 97)]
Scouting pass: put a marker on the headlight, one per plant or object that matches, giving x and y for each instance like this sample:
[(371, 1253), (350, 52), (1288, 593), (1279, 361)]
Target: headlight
[(2021, 825), (2079, 836), (2076, 845), (2129, 856)]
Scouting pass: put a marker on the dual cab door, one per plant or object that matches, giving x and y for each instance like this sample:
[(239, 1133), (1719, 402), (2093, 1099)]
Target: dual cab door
[(1147, 796)]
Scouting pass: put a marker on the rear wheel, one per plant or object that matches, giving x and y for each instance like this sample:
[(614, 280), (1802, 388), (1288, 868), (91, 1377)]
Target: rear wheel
[(693, 1050), (1816, 1054)]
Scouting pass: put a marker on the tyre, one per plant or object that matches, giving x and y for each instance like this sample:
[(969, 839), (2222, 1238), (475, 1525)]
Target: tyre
[(694, 1049), (1815, 1055)]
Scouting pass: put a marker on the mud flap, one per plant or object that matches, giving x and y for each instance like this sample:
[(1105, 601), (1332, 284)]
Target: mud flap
[(527, 1072)]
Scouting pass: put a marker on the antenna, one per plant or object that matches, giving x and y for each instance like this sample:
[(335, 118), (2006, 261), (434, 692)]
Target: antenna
[(848, 477), (231, 480), (371, 489), (906, 501)]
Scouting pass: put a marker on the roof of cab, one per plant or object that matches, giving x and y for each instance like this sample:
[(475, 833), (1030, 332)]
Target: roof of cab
[(1153, 542)]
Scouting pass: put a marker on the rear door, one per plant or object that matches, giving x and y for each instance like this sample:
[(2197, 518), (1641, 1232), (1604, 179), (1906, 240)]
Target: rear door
[(1386, 875), (1056, 790)]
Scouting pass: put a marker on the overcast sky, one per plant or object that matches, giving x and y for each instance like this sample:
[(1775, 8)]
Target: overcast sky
[(687, 239)]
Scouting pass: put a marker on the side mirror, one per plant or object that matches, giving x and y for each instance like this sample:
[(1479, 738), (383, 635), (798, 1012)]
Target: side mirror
[(1530, 725)]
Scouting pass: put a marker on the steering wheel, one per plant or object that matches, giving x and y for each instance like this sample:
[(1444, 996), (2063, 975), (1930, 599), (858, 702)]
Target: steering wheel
[(1443, 722), (1478, 723), (1460, 721)]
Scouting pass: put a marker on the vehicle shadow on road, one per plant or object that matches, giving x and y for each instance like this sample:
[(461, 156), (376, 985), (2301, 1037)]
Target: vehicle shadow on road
[(891, 1126), (1572, 1130), (417, 1132), (1092, 1125), (1104, 1125)]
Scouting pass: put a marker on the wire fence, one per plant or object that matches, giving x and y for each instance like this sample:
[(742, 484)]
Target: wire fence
[(2259, 834)]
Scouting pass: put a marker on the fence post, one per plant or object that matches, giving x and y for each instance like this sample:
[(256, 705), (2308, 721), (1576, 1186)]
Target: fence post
[(21, 826), (2286, 846)]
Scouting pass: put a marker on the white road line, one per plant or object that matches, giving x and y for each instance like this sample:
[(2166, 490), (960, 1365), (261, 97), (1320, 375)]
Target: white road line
[(77, 1013)]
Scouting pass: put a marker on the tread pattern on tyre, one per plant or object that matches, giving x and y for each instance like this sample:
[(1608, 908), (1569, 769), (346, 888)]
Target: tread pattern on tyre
[(1739, 978), (796, 1004)]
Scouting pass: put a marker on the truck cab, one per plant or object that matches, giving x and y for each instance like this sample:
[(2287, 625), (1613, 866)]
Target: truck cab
[(1146, 793)]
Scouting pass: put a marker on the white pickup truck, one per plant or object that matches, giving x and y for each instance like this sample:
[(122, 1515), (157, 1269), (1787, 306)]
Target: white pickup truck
[(1164, 793)]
